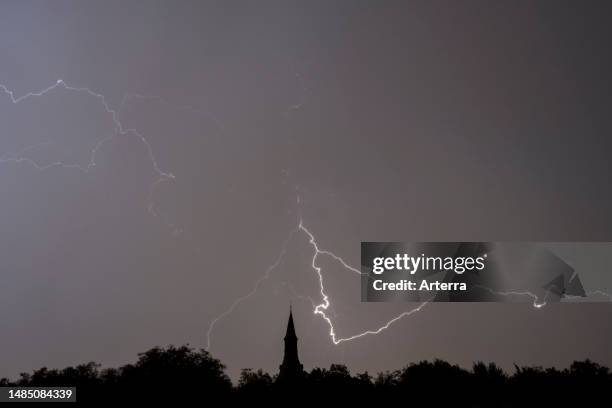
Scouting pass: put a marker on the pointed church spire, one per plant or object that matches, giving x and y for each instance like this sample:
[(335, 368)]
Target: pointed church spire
[(291, 368), (290, 327)]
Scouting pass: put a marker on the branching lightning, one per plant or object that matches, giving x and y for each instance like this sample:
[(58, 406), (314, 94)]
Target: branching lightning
[(591, 294), (320, 309), (163, 176), (254, 290), (536, 303), (600, 293), (119, 130)]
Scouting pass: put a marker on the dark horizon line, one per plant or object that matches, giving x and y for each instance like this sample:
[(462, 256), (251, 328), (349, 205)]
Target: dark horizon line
[(202, 351)]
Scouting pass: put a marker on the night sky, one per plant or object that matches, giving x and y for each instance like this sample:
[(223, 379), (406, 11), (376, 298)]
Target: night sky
[(391, 121)]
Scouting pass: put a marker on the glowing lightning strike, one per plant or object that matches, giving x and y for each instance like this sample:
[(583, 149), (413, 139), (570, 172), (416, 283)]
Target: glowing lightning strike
[(593, 293), (321, 308), (258, 283), (543, 303), (601, 293), (535, 298), (119, 130)]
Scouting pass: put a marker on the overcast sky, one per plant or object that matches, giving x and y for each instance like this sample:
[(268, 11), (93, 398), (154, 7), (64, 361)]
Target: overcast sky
[(392, 121)]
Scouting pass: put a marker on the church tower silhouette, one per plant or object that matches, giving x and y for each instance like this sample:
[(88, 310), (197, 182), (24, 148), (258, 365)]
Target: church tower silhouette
[(291, 369)]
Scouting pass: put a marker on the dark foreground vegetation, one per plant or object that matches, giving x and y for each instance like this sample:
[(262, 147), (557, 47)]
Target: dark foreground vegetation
[(182, 373)]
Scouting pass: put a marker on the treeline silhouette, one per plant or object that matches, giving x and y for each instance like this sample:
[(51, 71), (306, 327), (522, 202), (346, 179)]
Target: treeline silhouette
[(183, 373)]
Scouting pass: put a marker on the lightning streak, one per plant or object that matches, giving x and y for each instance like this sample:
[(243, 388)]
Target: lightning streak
[(321, 308), (535, 297), (539, 304), (119, 129), (297, 295), (254, 290), (600, 293), (593, 293)]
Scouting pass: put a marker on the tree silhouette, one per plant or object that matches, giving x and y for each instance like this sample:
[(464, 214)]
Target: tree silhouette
[(185, 374), (254, 383)]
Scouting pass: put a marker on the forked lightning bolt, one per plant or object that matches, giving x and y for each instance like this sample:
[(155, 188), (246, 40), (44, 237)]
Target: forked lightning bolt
[(322, 308), (258, 283), (536, 303), (591, 294), (319, 309), (119, 130), (539, 304)]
